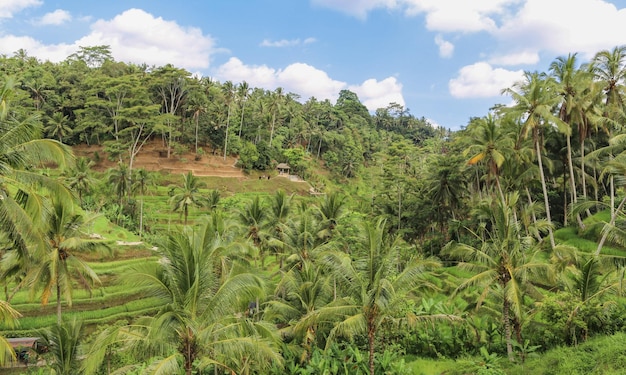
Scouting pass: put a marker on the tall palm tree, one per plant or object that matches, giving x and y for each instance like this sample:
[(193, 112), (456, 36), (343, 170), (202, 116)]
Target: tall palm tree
[(374, 289), (490, 144), (243, 93), (505, 264), (197, 325), (142, 180), (228, 90), (120, 180), (575, 86), (65, 233), (535, 97), (21, 147), (277, 99), (609, 68), (187, 195)]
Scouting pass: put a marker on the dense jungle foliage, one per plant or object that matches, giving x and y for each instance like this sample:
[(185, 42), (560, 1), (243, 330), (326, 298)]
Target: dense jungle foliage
[(479, 248)]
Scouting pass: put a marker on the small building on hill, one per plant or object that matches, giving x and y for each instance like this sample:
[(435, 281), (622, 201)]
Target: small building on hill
[(283, 168)]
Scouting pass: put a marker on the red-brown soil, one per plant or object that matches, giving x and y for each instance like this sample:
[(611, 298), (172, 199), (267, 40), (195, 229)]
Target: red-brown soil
[(153, 157)]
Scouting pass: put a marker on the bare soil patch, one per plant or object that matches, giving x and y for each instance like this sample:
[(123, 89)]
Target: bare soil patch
[(153, 157)]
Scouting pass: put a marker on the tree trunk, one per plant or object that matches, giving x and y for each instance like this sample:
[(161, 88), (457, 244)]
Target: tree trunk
[(507, 328), (545, 194), (581, 225), (612, 223), (58, 298), (371, 331)]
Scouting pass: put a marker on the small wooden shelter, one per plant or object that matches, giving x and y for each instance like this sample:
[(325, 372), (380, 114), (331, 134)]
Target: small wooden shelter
[(283, 168)]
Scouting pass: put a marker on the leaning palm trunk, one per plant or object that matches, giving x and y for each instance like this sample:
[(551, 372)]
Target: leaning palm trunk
[(606, 230)]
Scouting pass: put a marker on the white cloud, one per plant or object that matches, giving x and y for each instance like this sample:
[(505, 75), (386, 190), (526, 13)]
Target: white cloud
[(379, 94), (9, 7), (298, 78), (308, 81), (58, 17), (54, 52), (285, 42), (134, 36), (562, 26), (481, 80), (519, 58), (139, 37), (356, 8), (446, 49)]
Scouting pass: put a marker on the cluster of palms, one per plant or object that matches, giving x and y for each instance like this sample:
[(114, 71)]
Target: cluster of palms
[(517, 145), (42, 226)]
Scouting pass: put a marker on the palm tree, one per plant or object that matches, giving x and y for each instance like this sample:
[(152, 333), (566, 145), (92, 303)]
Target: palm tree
[(9, 318), (57, 263), (243, 92), (21, 147), (505, 264), (301, 291), (609, 68), (63, 341), (534, 98), (187, 195), (489, 144), (80, 179), (228, 90), (58, 126), (120, 180), (276, 102), (573, 83), (280, 209), (375, 291), (253, 218), (142, 180), (197, 324), (329, 212)]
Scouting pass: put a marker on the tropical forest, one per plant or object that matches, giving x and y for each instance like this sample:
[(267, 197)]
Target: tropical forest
[(156, 222)]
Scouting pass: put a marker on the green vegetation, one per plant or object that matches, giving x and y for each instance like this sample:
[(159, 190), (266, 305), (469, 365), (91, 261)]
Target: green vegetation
[(382, 245)]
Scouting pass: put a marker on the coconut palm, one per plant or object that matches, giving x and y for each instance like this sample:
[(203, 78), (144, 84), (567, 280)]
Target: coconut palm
[(198, 324), (229, 92), (254, 219), (58, 126), (21, 148), (535, 97), (9, 318), (63, 341), (301, 291), (489, 145), (609, 68), (187, 195), (328, 213), (80, 179), (243, 93), (375, 292), (57, 262), (504, 265)]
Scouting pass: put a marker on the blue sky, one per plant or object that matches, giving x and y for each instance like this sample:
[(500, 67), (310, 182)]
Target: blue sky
[(446, 60)]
